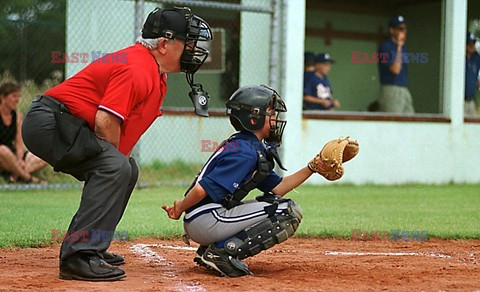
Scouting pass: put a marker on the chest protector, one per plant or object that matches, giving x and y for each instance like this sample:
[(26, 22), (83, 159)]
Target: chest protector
[(265, 165)]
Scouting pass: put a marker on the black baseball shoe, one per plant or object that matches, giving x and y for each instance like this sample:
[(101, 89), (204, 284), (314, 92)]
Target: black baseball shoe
[(89, 268), (225, 264), (198, 256), (113, 258)]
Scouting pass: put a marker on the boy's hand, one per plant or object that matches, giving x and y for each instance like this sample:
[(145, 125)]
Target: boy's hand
[(174, 212), (336, 103)]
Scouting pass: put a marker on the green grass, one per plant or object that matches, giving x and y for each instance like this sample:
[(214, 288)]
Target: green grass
[(175, 172), (446, 211)]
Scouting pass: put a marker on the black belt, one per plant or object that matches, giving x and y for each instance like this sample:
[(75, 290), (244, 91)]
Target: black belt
[(51, 102)]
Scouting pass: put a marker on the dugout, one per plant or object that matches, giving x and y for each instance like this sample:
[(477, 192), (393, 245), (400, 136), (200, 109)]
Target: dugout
[(342, 27)]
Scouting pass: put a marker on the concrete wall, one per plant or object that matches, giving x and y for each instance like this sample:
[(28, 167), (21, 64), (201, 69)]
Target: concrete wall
[(395, 153), (390, 152)]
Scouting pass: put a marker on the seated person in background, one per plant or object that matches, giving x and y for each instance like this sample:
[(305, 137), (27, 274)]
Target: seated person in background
[(472, 66), (317, 94), (15, 163)]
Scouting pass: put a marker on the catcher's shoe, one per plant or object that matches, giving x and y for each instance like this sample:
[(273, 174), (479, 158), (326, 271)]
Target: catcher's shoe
[(221, 261), (113, 258), (89, 268), (198, 256)]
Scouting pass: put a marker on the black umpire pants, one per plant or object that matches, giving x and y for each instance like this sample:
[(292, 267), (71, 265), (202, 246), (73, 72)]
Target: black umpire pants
[(109, 176)]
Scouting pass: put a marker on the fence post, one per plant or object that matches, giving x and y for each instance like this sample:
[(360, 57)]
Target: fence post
[(275, 45), (139, 11), (292, 80), (454, 60), (139, 8)]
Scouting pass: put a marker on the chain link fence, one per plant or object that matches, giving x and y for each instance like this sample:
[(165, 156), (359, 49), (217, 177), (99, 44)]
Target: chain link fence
[(46, 41)]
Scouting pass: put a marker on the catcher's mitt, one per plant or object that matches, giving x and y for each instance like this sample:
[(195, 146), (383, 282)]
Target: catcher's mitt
[(329, 161)]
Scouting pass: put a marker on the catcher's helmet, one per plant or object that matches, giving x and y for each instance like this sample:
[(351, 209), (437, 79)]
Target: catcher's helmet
[(248, 107)]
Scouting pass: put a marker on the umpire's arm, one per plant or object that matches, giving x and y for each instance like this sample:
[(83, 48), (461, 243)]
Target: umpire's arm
[(108, 127)]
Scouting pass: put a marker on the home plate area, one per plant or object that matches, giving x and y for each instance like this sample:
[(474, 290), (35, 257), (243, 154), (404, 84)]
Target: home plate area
[(325, 264), (298, 264)]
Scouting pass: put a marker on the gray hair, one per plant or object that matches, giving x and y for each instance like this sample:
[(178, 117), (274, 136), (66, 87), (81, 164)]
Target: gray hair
[(150, 44)]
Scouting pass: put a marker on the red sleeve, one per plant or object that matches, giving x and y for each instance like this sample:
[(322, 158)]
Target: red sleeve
[(127, 87)]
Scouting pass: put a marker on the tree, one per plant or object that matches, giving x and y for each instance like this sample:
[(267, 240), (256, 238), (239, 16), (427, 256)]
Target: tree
[(30, 30)]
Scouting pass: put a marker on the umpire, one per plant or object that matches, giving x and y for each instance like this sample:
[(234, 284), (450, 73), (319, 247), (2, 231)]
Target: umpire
[(88, 125)]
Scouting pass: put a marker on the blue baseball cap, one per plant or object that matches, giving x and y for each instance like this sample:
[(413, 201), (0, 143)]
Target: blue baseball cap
[(396, 21), (323, 58), (471, 38)]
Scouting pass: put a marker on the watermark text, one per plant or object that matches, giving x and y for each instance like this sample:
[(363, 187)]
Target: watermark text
[(86, 235), (212, 146), (93, 56), (393, 235), (376, 57)]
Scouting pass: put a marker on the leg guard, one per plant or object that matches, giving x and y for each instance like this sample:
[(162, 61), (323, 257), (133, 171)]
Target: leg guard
[(267, 233)]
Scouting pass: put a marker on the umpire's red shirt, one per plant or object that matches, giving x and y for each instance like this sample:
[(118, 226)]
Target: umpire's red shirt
[(126, 84)]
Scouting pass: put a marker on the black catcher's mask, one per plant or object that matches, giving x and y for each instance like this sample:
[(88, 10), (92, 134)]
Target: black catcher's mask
[(249, 106)]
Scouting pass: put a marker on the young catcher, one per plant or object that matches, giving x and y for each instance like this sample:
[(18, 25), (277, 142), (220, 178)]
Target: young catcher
[(227, 229)]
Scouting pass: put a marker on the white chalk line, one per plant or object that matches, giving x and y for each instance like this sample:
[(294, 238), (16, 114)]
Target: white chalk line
[(144, 251), (424, 254), (166, 246), (421, 254)]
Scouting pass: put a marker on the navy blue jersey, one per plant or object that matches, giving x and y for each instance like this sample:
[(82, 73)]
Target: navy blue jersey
[(231, 166), (472, 67), (389, 49), (306, 76), (317, 87)]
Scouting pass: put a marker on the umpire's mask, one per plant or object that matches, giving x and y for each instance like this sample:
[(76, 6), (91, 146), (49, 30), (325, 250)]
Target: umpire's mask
[(179, 22)]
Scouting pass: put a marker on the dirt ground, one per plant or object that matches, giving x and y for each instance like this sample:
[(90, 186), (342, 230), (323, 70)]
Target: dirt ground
[(295, 265)]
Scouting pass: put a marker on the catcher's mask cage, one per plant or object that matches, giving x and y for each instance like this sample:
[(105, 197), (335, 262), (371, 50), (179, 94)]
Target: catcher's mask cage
[(249, 106)]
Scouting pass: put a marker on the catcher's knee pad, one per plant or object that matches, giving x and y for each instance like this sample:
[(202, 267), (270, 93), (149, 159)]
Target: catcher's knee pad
[(265, 234)]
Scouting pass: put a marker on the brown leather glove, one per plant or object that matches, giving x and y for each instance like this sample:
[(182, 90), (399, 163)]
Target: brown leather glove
[(329, 161)]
